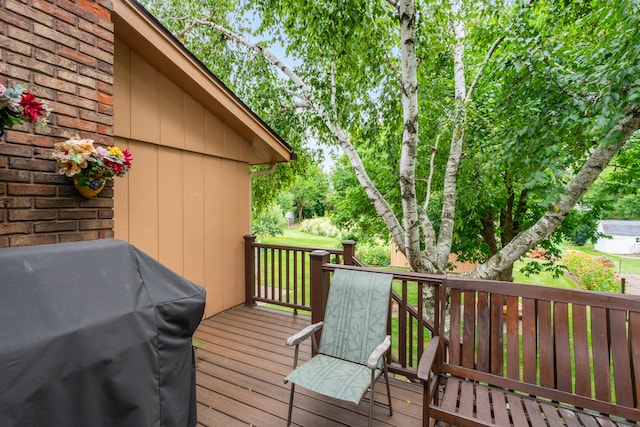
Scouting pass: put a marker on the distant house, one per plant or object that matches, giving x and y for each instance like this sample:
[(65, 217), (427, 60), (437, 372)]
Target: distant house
[(625, 237)]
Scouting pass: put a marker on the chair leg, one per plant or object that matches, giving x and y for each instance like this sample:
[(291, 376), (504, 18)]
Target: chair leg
[(371, 396), (386, 378), (293, 386)]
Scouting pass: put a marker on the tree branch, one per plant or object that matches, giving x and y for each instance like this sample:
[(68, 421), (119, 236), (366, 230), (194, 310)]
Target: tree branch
[(544, 227), (378, 201)]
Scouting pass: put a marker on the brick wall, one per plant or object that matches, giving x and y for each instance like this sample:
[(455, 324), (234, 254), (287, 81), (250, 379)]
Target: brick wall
[(62, 50)]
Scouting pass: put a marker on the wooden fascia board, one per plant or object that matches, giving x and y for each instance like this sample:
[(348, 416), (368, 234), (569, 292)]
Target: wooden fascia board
[(161, 50)]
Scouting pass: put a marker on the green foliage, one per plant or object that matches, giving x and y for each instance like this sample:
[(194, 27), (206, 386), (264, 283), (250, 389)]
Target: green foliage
[(595, 274), (618, 188), (374, 253), (320, 227), (559, 81), (271, 222), (310, 193)]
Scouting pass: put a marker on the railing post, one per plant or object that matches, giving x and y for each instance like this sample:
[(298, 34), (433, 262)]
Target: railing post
[(349, 247), (319, 282), (249, 271)]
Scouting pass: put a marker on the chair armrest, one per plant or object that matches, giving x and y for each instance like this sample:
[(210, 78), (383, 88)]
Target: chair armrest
[(303, 334), (425, 366), (378, 352)]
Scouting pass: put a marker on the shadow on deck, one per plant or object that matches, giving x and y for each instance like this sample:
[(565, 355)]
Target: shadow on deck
[(242, 360)]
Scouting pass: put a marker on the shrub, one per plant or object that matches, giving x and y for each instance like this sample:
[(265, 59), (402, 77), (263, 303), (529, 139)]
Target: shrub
[(321, 226), (270, 223), (592, 273), (376, 253)]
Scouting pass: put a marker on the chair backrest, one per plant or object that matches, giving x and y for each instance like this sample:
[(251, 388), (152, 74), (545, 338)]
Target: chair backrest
[(355, 320)]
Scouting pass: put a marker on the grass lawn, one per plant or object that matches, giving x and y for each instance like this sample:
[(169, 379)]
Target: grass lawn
[(624, 264), (544, 278), (293, 237)]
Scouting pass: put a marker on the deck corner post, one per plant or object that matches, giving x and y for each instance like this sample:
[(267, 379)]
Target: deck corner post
[(349, 247), (249, 270), (319, 283)]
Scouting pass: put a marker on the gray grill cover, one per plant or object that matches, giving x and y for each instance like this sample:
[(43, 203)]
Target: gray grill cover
[(95, 334)]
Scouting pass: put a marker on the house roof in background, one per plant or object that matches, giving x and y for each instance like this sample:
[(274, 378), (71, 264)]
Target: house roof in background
[(619, 227), (144, 33)]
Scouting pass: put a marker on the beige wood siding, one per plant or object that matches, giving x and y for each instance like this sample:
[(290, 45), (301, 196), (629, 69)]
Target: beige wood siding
[(186, 200)]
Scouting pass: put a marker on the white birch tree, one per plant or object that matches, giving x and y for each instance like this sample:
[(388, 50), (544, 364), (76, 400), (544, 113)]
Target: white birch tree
[(370, 64)]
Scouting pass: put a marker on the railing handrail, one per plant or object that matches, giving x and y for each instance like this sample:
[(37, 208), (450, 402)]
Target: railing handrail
[(297, 248)]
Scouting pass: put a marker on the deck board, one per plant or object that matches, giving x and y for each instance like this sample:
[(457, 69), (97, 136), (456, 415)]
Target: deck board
[(240, 370)]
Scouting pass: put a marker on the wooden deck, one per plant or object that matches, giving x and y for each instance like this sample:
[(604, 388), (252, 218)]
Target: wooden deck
[(240, 372)]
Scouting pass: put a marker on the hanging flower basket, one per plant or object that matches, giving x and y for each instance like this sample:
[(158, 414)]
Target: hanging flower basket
[(90, 187), (17, 105), (90, 166)]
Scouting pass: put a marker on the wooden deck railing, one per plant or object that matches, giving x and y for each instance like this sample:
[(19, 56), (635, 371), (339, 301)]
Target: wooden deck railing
[(279, 275), (299, 277)]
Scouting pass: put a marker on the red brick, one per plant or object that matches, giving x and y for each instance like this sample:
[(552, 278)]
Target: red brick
[(31, 214), (3, 188), (96, 30), (56, 36), (106, 109), (95, 52), (107, 69), (31, 190), (15, 46), (42, 144), (18, 73), (12, 149), (4, 240), (32, 39), (75, 33), (97, 202), (52, 226), (105, 98), (77, 56), (3, 162), (15, 20), (55, 83), (88, 94), (79, 236), (56, 60), (77, 79), (29, 12), (52, 10), (105, 214), (51, 178), (10, 175), (57, 203), (104, 72), (107, 24), (105, 129), (96, 224), (107, 4), (16, 202), (31, 164), (106, 234), (95, 8), (73, 123), (97, 118), (107, 47), (105, 88), (15, 228), (30, 63), (78, 214), (77, 101), (31, 240)]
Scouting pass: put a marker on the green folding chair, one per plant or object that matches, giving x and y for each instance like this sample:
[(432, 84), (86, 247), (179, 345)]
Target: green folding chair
[(353, 344)]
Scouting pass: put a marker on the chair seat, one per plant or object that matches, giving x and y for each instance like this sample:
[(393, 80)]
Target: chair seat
[(333, 377)]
